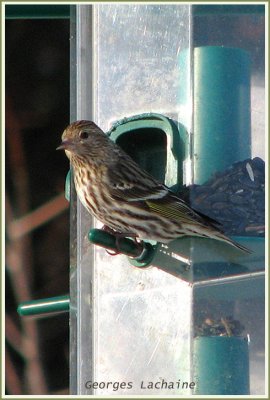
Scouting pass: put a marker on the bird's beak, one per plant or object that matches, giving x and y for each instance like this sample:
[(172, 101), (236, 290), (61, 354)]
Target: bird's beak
[(65, 145)]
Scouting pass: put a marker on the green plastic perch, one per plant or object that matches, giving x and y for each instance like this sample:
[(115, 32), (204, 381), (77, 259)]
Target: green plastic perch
[(50, 305), (143, 252)]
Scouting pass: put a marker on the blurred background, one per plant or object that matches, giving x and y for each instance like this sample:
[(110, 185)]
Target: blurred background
[(37, 218)]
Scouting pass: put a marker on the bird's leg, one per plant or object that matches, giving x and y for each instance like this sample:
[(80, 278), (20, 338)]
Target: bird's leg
[(106, 228), (118, 236), (113, 232)]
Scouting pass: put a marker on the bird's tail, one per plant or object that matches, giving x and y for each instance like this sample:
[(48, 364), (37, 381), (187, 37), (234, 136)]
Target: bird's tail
[(212, 233), (220, 236)]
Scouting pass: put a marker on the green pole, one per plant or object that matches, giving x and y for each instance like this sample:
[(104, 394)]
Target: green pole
[(221, 102), (221, 365)]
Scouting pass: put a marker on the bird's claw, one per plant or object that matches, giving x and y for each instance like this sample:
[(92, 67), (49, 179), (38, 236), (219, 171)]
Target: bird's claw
[(118, 236), (112, 253)]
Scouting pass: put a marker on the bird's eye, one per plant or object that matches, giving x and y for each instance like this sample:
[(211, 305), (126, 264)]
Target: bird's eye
[(84, 135)]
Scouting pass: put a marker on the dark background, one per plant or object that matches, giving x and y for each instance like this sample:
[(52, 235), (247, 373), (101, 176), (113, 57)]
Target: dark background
[(37, 264)]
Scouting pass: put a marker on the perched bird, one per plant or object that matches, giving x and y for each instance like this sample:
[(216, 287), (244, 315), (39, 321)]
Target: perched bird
[(124, 197)]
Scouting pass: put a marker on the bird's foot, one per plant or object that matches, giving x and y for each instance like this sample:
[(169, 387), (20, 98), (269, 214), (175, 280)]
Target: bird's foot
[(118, 236)]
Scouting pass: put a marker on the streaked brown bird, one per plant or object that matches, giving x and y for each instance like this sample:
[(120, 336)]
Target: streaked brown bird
[(124, 197)]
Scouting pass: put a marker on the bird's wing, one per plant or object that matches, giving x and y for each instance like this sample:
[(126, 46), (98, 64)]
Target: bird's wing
[(135, 191), (154, 196), (174, 208), (130, 183)]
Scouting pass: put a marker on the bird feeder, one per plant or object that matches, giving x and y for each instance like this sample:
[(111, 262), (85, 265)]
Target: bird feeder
[(147, 321), (173, 85)]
